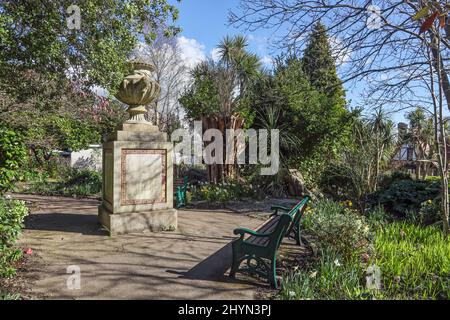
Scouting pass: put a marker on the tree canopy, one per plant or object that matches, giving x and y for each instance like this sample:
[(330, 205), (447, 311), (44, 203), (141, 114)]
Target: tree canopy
[(222, 87), (36, 35)]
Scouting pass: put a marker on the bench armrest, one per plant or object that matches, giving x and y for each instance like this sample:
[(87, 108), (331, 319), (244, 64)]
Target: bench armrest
[(243, 231)]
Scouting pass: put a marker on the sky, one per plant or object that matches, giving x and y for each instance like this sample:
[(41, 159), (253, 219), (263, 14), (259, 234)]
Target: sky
[(204, 24)]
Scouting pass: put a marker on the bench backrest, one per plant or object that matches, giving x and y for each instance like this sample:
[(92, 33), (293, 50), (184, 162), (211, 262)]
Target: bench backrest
[(296, 213), (279, 232), (181, 182)]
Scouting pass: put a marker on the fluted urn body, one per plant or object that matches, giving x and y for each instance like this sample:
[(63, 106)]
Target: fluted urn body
[(137, 90)]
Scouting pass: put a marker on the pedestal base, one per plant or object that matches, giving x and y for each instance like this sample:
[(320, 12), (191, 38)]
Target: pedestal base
[(122, 223)]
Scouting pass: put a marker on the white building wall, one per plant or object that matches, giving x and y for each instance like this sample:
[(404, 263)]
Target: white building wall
[(87, 159)]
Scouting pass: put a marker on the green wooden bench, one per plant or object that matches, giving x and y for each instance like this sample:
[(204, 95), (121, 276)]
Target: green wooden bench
[(180, 195), (294, 231), (259, 248)]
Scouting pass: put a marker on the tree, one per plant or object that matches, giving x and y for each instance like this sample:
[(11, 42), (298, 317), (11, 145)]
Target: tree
[(219, 95), (320, 65), (381, 130), (356, 171), (52, 114), (421, 136), (402, 47), (48, 69), (172, 75), (313, 127), (49, 114), (201, 98), (37, 35)]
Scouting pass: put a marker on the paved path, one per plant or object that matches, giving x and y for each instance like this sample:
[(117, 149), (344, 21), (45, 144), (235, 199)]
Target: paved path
[(190, 263)]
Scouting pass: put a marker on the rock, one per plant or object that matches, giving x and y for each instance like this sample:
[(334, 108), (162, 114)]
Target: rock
[(296, 183)]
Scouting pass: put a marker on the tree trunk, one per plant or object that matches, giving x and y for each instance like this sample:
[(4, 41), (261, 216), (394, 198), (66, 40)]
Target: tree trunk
[(439, 67), (220, 172), (417, 170), (445, 203), (440, 135)]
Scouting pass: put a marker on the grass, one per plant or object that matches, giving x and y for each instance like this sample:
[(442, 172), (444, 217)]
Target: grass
[(414, 260), (9, 296)]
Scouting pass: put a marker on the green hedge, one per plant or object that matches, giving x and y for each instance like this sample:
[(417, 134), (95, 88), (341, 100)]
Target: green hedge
[(13, 156)]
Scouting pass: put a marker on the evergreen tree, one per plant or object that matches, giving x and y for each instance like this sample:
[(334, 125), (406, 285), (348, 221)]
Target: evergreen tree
[(319, 64)]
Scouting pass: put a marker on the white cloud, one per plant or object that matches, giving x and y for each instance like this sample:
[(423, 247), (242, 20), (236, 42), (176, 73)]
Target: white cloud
[(266, 61), (340, 53), (192, 52), (215, 55)]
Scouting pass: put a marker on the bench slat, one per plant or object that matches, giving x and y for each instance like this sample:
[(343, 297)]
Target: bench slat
[(267, 227)]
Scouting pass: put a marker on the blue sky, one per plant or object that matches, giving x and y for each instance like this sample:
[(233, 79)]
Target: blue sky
[(206, 21), (204, 24)]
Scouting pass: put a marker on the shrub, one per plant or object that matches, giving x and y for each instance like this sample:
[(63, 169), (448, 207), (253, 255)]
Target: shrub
[(78, 182), (403, 196), (429, 213), (377, 217), (414, 262), (82, 182), (338, 228), (12, 214), (12, 157), (336, 182), (222, 192), (389, 178)]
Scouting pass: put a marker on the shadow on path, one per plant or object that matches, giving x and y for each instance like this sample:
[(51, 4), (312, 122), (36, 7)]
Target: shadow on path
[(65, 222), (213, 268)]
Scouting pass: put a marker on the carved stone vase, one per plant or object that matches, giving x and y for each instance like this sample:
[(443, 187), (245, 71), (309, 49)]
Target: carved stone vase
[(137, 188), (138, 89)]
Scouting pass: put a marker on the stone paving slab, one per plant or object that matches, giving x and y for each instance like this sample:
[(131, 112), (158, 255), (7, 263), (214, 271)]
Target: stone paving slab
[(190, 263)]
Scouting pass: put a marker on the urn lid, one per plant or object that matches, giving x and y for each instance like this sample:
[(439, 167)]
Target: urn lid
[(140, 65)]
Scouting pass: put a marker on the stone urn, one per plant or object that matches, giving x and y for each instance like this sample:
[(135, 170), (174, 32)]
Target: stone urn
[(137, 171), (137, 90)]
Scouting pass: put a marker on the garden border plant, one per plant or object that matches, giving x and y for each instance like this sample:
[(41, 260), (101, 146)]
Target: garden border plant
[(12, 215), (414, 260)]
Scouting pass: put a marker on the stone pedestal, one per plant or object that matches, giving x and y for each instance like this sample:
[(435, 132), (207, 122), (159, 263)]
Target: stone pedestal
[(137, 181)]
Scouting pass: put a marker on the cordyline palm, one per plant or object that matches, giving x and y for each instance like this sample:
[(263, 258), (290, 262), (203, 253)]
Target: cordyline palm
[(381, 130), (231, 49), (271, 117), (421, 134), (234, 57), (231, 74)]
